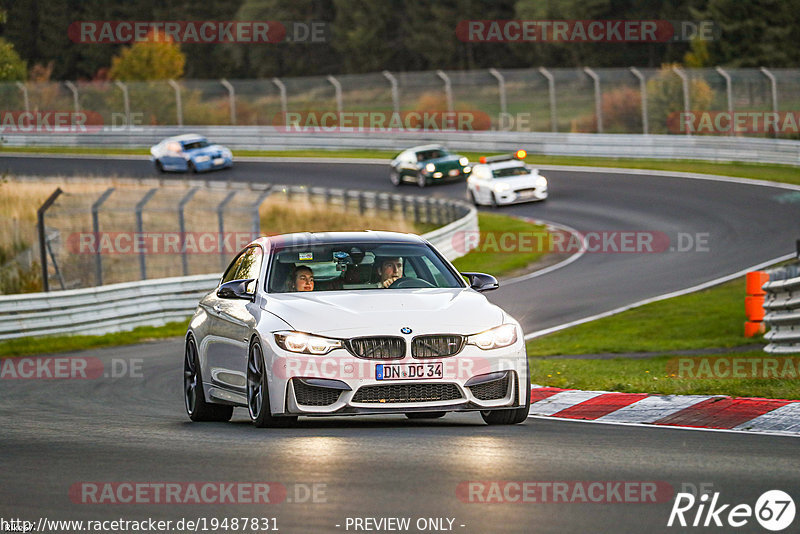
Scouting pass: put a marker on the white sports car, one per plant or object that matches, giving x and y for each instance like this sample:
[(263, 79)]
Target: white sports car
[(352, 323), (501, 180)]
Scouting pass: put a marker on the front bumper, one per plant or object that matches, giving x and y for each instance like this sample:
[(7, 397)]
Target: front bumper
[(472, 380), (212, 164), (532, 194)]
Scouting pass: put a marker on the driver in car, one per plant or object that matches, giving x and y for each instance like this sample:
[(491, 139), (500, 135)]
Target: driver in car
[(389, 270)]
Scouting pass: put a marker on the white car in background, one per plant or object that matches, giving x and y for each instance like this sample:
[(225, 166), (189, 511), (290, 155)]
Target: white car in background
[(427, 344), (501, 180)]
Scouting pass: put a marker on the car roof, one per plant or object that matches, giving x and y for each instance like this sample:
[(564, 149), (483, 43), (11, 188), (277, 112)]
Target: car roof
[(423, 148), (324, 238), (186, 137), (504, 164)]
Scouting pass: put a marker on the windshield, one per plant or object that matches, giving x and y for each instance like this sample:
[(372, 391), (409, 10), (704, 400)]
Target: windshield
[(510, 171), (425, 155), (357, 266), (191, 145)]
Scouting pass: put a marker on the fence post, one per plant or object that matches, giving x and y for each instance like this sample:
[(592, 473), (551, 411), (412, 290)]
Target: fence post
[(75, 103), (98, 257), (448, 89), (25, 100), (337, 87), (182, 228), (221, 225), (42, 238), (774, 86), (254, 210), (643, 96), (685, 81), (231, 99), (178, 103), (598, 98), (284, 102), (126, 101), (501, 88), (395, 93), (551, 84), (729, 94), (140, 229)]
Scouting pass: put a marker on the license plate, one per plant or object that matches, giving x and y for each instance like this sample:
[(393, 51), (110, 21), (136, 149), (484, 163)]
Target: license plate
[(527, 194), (219, 161), (408, 371), (454, 172)]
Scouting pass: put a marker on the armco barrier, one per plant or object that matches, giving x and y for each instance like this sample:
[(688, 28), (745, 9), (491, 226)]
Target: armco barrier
[(730, 148), (782, 305), (120, 307)]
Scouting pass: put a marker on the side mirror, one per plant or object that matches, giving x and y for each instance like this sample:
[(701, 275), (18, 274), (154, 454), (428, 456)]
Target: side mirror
[(236, 289), (481, 281)]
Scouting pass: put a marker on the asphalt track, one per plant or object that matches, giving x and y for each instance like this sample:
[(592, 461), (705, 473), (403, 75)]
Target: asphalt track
[(132, 428)]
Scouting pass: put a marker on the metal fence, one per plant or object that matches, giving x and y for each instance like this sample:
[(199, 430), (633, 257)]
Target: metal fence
[(782, 306), (117, 234), (611, 100), (124, 306)]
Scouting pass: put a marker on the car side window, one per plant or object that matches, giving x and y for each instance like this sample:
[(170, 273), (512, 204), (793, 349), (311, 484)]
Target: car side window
[(250, 267), (230, 272)]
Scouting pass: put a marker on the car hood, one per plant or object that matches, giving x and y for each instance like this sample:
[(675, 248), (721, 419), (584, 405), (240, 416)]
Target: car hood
[(519, 182), (446, 162), (386, 311)]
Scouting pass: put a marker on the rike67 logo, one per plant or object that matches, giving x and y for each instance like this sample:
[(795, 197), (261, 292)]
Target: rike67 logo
[(774, 510)]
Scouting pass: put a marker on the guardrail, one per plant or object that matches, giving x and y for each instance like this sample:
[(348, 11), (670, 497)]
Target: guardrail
[(120, 307), (782, 306), (721, 149)]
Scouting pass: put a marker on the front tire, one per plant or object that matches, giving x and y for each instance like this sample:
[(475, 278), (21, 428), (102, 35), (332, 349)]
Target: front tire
[(394, 177), (258, 392), (510, 417), (472, 198), (421, 180), (193, 395), (159, 166), (495, 205)]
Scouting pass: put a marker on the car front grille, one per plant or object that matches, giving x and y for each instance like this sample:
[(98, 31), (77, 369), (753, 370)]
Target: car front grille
[(529, 190), (396, 393), (314, 395), (436, 346), (496, 389), (377, 348)]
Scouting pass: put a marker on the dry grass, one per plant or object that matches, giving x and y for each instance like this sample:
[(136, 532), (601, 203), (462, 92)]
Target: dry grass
[(71, 216)]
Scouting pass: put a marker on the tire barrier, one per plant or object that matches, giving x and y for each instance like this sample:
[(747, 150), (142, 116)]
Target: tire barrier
[(782, 307)]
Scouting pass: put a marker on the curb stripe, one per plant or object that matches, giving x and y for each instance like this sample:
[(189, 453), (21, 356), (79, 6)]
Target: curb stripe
[(561, 401), (721, 412), (600, 405), (538, 394), (784, 419), (652, 408)]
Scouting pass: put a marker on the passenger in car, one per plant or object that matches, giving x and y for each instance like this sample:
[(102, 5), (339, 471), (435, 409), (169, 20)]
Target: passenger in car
[(301, 279), (389, 270)]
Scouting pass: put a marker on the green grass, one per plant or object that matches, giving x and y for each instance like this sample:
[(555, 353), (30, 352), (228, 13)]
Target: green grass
[(651, 375), (51, 344), (777, 173), (706, 319), (709, 319), (489, 257)]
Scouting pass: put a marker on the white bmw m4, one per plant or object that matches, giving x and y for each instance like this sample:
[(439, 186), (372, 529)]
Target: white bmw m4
[(352, 323)]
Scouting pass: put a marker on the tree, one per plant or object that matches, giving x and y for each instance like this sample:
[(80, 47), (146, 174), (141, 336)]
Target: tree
[(12, 68), (151, 59)]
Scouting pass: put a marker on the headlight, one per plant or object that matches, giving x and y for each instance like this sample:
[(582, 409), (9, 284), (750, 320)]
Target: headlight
[(467, 169), (501, 187), (541, 181), (430, 167), (501, 336), (202, 159), (306, 343), (463, 162)]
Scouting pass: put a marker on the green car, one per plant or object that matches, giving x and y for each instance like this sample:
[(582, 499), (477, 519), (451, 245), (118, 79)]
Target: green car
[(428, 164)]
